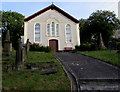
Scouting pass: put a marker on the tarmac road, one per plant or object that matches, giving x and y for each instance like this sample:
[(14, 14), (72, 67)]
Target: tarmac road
[(91, 73)]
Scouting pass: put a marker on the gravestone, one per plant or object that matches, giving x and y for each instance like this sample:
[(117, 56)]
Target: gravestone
[(27, 47), (49, 71), (19, 55), (23, 54), (7, 44), (10, 46)]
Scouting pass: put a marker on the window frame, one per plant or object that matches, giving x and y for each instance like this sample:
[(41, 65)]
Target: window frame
[(49, 29), (38, 33), (68, 33), (53, 29), (57, 29)]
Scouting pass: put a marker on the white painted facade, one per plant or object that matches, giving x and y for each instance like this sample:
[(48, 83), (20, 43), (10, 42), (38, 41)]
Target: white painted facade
[(48, 17)]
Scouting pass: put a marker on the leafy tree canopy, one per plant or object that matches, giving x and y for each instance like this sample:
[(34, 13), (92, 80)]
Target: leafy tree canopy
[(85, 33), (104, 22), (13, 22)]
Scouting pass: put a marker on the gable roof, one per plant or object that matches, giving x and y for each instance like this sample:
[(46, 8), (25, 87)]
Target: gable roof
[(52, 7)]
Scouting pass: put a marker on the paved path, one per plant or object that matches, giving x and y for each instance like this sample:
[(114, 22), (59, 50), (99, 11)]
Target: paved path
[(87, 68)]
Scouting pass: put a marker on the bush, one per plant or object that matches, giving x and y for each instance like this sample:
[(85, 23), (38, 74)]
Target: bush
[(118, 45), (77, 47), (86, 47), (37, 47), (34, 47), (47, 49), (74, 51), (114, 44)]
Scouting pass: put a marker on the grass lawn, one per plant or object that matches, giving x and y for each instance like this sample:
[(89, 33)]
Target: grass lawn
[(108, 55), (22, 80)]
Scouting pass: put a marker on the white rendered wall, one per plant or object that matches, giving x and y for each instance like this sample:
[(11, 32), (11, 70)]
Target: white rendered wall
[(49, 17)]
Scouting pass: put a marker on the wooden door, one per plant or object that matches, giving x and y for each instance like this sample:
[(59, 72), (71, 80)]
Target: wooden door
[(54, 45)]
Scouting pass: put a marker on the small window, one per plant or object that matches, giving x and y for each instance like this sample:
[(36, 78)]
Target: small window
[(57, 30), (37, 32), (53, 29), (68, 33), (48, 29)]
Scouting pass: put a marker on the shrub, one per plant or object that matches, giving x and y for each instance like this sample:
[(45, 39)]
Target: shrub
[(77, 47), (74, 51), (118, 45), (47, 49), (37, 47), (114, 44), (34, 47), (86, 47)]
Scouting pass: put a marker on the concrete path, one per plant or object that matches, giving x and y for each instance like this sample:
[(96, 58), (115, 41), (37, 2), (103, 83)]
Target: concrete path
[(90, 72)]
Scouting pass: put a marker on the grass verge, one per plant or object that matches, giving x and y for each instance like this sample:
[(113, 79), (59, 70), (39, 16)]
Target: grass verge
[(22, 80), (110, 56)]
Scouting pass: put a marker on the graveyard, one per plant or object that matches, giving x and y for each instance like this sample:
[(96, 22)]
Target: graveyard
[(31, 70), (33, 79)]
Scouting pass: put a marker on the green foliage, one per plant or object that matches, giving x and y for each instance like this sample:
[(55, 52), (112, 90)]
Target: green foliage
[(85, 34), (118, 50), (13, 22), (86, 47), (118, 46), (74, 51), (104, 22), (110, 56), (37, 47), (47, 49), (114, 44)]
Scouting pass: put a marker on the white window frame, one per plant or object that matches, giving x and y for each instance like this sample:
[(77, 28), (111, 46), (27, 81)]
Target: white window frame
[(57, 30), (35, 33), (66, 39), (53, 29), (49, 29)]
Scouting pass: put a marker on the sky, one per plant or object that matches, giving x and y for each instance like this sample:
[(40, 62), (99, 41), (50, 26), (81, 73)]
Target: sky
[(78, 9)]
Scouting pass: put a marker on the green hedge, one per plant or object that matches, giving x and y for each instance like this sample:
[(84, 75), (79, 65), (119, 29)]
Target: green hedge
[(37, 47), (86, 47)]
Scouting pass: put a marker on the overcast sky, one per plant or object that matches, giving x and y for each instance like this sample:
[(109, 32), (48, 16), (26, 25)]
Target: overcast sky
[(77, 9)]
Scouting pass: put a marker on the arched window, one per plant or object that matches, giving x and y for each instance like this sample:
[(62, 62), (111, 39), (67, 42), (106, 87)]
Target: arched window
[(53, 29), (48, 29), (37, 32), (57, 30), (68, 33)]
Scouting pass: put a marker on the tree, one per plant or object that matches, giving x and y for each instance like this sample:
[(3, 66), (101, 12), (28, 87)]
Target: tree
[(13, 22), (104, 23), (85, 34)]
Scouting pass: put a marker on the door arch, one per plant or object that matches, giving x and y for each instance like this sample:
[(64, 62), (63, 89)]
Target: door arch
[(53, 43)]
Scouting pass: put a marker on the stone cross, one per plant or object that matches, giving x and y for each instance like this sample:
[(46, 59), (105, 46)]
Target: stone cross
[(7, 44)]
